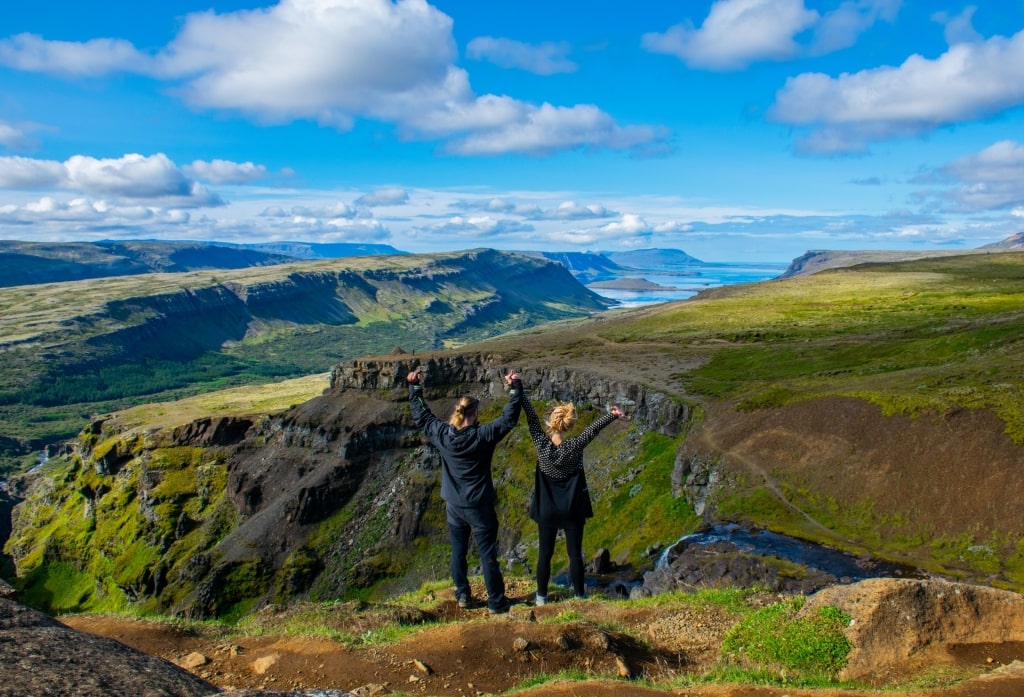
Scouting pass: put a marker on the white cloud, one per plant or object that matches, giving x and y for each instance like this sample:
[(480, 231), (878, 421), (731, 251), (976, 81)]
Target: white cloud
[(132, 176), (15, 136), (542, 59), (570, 210), (32, 53), (840, 28), (27, 173), (548, 128), (737, 33), (989, 180), (476, 226), (329, 212), (388, 196), (333, 62), (959, 28), (226, 172), (969, 81), (85, 215)]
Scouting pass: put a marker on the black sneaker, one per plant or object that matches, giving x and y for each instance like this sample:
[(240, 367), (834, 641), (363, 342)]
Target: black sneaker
[(501, 607), (464, 601)]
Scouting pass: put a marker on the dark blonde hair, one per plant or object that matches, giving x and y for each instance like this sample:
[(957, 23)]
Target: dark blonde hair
[(561, 418), (466, 407)]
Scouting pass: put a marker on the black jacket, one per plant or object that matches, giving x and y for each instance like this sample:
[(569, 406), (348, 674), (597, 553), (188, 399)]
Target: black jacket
[(560, 493), (466, 453)]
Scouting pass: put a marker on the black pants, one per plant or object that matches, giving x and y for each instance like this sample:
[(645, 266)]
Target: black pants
[(546, 548), (482, 522)]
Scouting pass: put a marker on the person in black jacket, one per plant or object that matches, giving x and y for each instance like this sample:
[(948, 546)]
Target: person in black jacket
[(467, 488), (561, 500)]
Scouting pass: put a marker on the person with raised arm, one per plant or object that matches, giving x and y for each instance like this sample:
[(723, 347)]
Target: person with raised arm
[(466, 448), (561, 500)]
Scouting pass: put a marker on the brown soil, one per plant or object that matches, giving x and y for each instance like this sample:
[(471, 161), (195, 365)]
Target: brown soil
[(470, 652)]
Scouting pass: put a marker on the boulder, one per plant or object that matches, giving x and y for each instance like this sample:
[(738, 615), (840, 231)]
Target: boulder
[(903, 626), (42, 656)]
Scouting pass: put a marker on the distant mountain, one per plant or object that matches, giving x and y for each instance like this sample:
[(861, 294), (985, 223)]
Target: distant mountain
[(822, 259), (586, 267), (1011, 242), (590, 267), (652, 258), (29, 263)]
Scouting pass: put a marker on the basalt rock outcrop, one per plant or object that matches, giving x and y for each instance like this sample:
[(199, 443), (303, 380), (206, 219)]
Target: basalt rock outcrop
[(330, 496), (355, 448), (42, 656)]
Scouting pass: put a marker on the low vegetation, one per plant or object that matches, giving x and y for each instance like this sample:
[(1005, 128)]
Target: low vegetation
[(927, 335)]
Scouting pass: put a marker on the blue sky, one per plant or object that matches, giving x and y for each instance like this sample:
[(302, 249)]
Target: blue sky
[(735, 130)]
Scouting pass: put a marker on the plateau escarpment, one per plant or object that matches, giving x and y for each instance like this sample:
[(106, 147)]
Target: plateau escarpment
[(73, 349)]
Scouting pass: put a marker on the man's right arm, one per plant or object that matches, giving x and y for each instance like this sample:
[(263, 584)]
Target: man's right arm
[(421, 413)]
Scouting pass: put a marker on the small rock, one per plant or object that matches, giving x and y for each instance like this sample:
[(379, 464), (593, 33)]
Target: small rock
[(422, 667), (193, 660), (263, 664), (521, 644)]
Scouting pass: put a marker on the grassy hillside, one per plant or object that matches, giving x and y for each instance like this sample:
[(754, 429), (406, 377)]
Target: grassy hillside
[(841, 369), (71, 350)]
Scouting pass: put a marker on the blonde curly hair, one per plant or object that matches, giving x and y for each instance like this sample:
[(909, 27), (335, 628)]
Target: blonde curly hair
[(561, 419)]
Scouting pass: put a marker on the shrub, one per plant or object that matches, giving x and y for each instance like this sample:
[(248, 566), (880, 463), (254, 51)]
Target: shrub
[(802, 647)]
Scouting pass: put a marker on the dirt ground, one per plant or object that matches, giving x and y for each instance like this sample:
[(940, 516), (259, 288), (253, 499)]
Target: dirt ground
[(628, 651)]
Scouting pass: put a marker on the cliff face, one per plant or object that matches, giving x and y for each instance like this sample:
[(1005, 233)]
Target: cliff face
[(334, 495)]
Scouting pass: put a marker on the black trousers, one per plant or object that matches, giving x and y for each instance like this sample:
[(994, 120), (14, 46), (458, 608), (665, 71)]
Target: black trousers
[(482, 523), (546, 548)]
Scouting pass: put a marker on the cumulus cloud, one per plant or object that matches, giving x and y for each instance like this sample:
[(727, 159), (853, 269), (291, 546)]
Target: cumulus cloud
[(541, 59), (33, 53), (737, 33), (388, 196), (548, 128), (476, 226), (132, 176), (570, 210), (333, 62), (989, 180), (498, 204), (226, 172), (844, 114), (334, 211), (85, 215)]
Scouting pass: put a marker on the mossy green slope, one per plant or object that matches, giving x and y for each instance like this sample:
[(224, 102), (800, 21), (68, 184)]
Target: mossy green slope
[(912, 338)]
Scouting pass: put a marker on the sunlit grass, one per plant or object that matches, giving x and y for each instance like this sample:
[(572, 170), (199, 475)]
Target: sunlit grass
[(250, 400)]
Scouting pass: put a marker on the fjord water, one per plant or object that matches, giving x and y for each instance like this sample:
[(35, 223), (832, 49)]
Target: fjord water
[(689, 280)]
